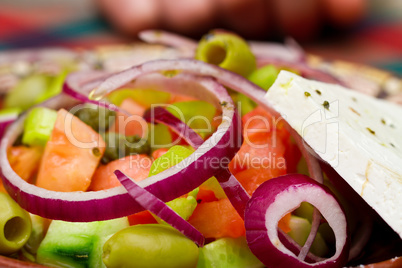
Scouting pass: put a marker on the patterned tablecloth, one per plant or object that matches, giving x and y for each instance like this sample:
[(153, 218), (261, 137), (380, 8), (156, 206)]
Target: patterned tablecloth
[(377, 41)]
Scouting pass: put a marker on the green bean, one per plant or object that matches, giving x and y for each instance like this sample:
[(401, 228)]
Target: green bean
[(228, 51), (15, 225), (149, 245)]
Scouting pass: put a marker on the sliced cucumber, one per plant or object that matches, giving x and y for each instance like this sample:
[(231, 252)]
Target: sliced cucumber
[(77, 244)]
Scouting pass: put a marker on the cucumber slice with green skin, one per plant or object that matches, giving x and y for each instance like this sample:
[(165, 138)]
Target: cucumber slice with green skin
[(227, 253), (38, 126), (300, 229), (77, 244)]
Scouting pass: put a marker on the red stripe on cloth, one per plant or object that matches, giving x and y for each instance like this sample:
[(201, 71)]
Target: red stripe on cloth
[(11, 25), (389, 35)]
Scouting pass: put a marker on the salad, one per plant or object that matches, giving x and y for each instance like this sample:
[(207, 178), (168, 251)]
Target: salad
[(177, 161)]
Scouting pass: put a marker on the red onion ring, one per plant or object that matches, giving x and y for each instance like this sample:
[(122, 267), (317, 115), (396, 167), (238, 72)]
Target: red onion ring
[(237, 195), (180, 42), (150, 202), (303, 68), (279, 196), (6, 120), (290, 52), (114, 203)]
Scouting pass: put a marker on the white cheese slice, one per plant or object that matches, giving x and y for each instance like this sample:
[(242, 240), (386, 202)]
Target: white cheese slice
[(358, 135)]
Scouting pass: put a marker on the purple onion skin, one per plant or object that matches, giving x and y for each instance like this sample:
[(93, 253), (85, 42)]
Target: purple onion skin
[(113, 203), (237, 195), (256, 232), (153, 204), (104, 209)]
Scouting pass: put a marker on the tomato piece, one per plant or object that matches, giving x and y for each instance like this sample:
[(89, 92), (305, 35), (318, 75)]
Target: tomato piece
[(2, 189), (263, 152), (143, 217), (180, 98), (261, 122), (217, 219), (71, 155), (292, 156), (133, 124), (134, 166), (283, 223), (251, 178), (25, 161), (205, 195), (159, 152)]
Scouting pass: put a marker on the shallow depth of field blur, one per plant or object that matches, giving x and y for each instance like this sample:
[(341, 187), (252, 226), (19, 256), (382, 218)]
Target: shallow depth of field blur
[(364, 31)]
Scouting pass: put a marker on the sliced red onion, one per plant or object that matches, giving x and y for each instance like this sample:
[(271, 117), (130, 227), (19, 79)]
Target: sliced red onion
[(224, 77), (304, 69), (79, 85), (114, 203), (237, 195), (163, 116), (150, 202), (290, 52), (32, 55), (279, 196), (6, 120), (180, 42), (362, 213)]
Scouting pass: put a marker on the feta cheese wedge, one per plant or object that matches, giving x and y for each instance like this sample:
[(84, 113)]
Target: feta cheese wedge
[(358, 135)]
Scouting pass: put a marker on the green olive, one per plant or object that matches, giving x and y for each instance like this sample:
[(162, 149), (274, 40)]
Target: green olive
[(228, 51), (150, 245), (15, 225)]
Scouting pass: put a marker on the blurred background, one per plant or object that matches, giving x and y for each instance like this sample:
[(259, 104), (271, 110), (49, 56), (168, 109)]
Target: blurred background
[(362, 31)]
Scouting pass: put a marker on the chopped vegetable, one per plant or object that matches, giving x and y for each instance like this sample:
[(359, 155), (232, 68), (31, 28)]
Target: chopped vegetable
[(71, 155), (38, 126), (119, 145), (98, 118), (27, 92), (73, 244), (150, 202), (265, 76), (25, 161), (172, 157), (278, 196), (217, 219), (300, 229), (197, 114), (135, 166), (144, 97), (150, 245), (39, 229), (228, 51), (132, 124), (227, 253), (15, 225)]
